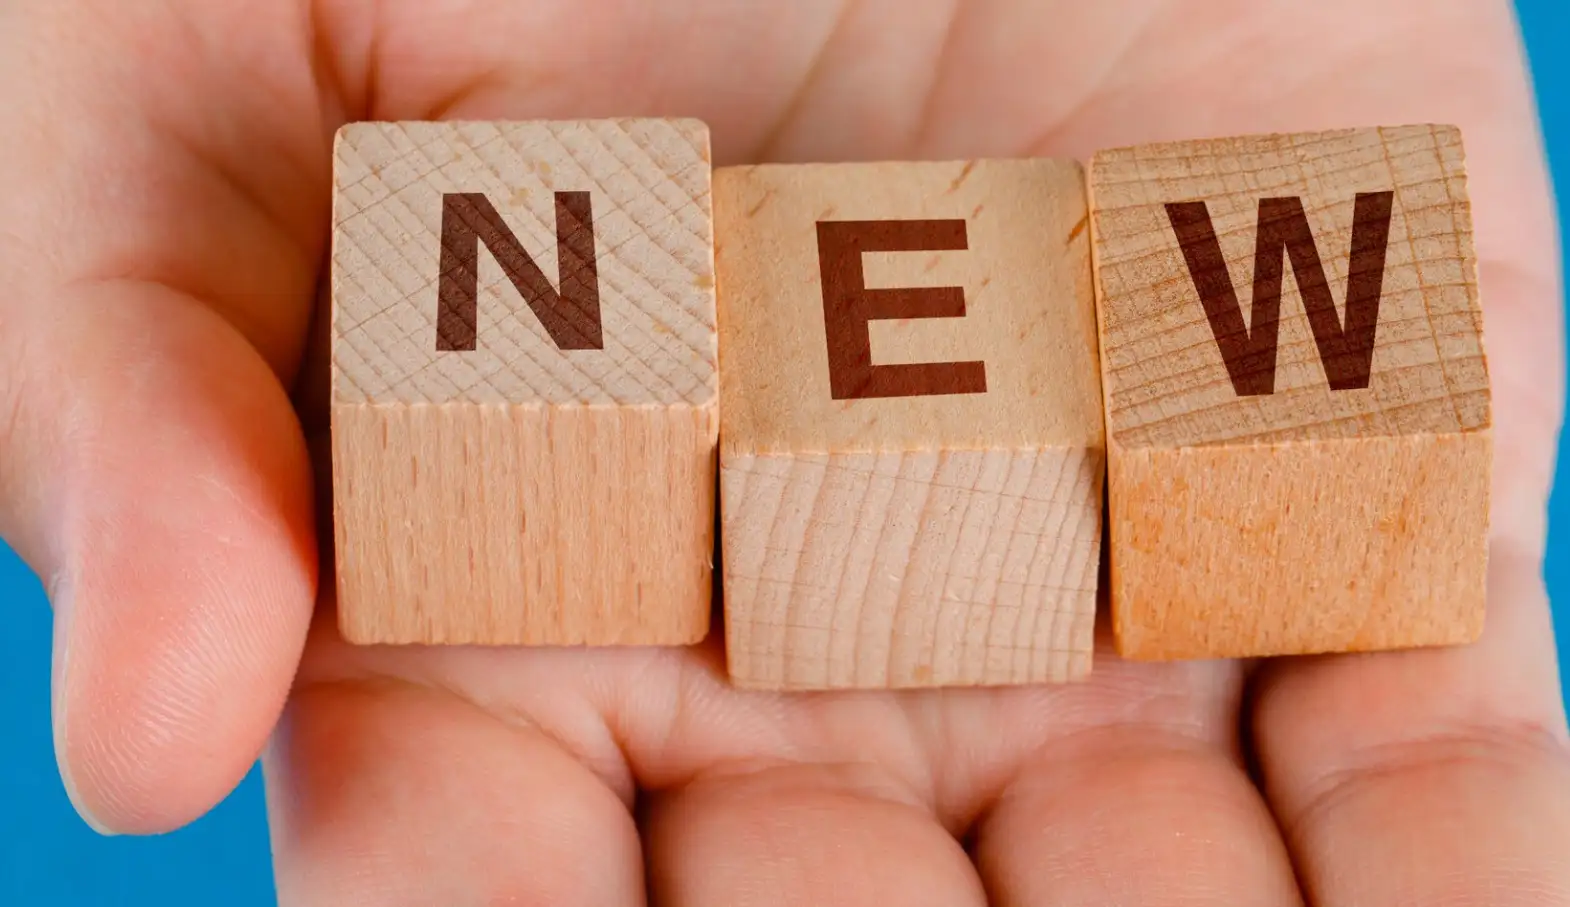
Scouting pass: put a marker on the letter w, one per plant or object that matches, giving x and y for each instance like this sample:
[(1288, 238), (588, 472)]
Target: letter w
[(1250, 354), (571, 317)]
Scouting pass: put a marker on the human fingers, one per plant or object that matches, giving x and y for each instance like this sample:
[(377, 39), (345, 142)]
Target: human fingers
[(389, 785), (158, 259), (789, 832), (1444, 776), (823, 824), (1374, 764), (1429, 777), (1437, 776), (1149, 803)]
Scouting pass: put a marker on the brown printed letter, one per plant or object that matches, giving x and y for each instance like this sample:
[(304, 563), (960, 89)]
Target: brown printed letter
[(1250, 354), (848, 305), (571, 317)]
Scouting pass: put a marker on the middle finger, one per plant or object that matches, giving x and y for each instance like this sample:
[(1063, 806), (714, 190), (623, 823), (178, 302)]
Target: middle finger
[(1149, 805)]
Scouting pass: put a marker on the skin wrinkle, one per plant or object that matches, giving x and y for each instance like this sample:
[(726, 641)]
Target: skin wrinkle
[(901, 760), (1047, 139), (866, 778), (371, 80), (654, 749), (308, 257), (303, 162), (361, 670), (306, 167), (160, 121), (782, 121), (14, 392), (325, 72), (940, 66), (309, 818), (1105, 744), (488, 80), (1503, 747), (617, 780)]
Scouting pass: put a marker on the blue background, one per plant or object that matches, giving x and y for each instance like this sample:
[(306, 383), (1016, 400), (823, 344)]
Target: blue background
[(48, 857)]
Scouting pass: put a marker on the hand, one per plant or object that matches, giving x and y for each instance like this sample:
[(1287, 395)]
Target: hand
[(164, 208)]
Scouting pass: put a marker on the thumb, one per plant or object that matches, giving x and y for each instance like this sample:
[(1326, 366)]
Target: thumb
[(155, 276), (155, 478)]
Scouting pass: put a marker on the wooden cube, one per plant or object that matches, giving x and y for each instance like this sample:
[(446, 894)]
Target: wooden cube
[(524, 384), (911, 445), (1296, 393)]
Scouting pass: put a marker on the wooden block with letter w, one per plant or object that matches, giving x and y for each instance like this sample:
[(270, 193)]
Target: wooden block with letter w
[(1297, 399), (524, 384), (911, 450)]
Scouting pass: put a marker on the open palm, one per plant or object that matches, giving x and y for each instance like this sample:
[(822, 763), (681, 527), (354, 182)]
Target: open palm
[(165, 209)]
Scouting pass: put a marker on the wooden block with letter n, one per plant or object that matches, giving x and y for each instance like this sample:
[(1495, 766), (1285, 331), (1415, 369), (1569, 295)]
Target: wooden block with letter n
[(524, 383), (911, 445), (1297, 400)]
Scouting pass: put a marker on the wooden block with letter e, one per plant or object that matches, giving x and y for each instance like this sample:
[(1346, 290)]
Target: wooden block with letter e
[(524, 384), (911, 446), (1297, 400)]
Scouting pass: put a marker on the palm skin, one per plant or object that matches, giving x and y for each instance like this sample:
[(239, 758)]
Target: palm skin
[(161, 394)]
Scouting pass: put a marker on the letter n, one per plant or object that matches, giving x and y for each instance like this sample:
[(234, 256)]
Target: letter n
[(1284, 232), (571, 317)]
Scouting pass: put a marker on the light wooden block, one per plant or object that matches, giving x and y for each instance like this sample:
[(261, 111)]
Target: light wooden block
[(927, 510), (1316, 481), (524, 384)]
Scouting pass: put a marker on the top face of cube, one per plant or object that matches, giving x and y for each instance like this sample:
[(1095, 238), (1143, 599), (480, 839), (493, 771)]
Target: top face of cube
[(905, 306), (524, 263), (1288, 287)]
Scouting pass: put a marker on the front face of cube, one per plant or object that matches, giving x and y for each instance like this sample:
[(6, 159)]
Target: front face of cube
[(1297, 399), (525, 382), (912, 439)]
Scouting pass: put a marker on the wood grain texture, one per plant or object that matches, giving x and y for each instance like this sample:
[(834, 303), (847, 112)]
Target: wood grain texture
[(553, 484), (1255, 509), (907, 569), (904, 539)]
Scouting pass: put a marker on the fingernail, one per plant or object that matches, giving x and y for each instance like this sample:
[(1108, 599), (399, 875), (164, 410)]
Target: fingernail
[(58, 588)]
